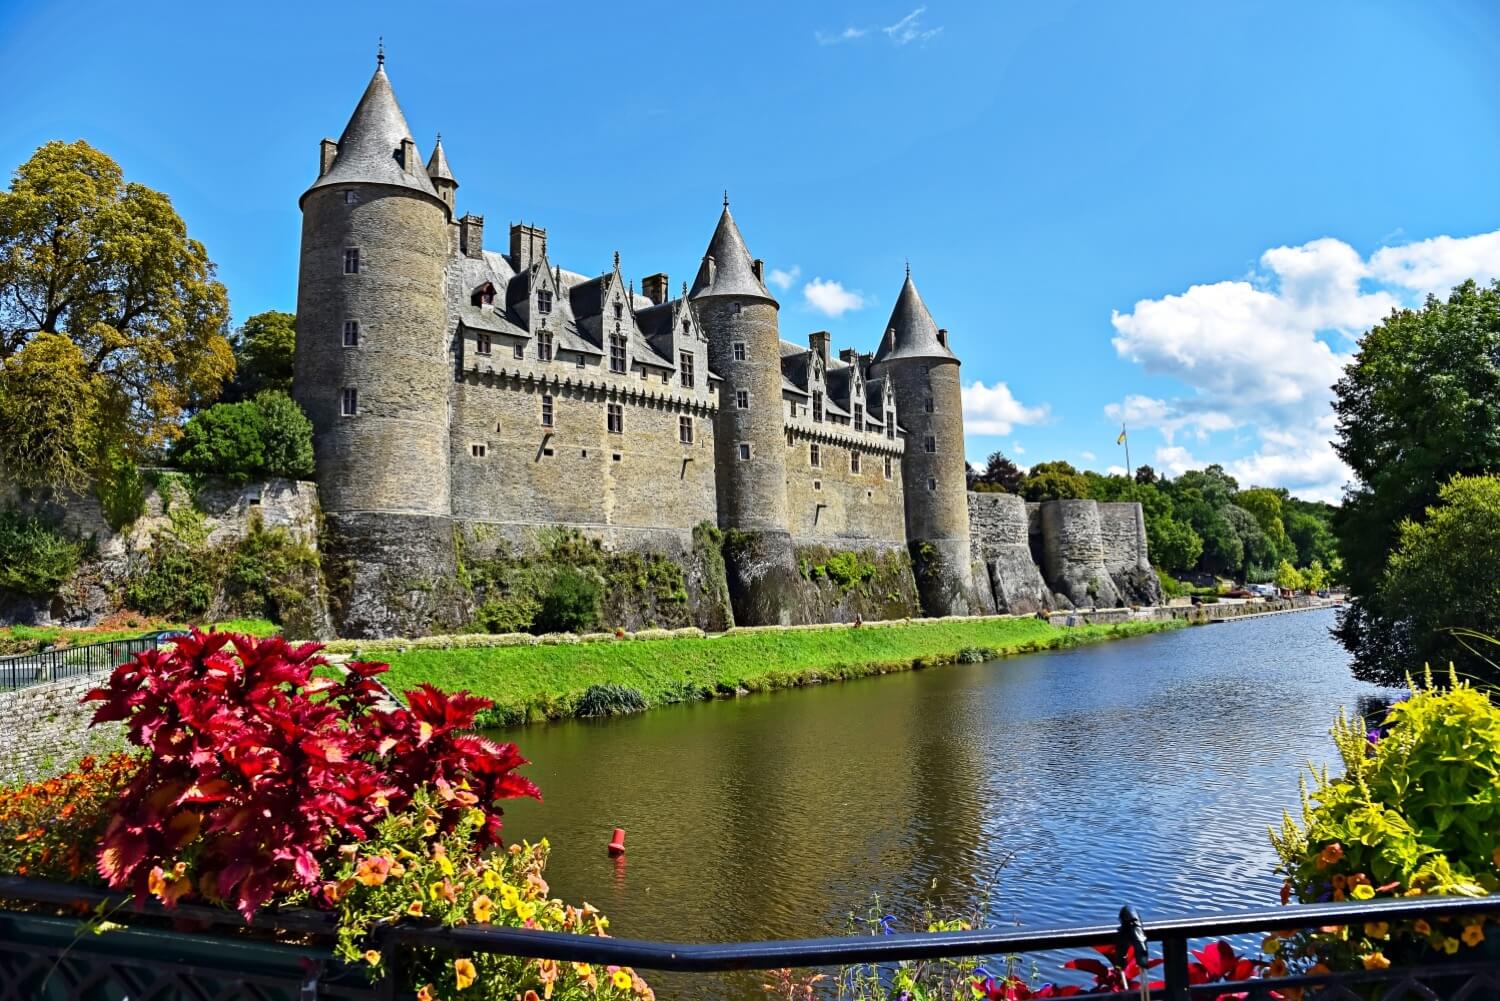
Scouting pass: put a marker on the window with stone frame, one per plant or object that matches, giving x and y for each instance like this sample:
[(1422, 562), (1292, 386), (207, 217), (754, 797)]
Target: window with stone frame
[(859, 417), (744, 450), (478, 451), (615, 420), (351, 333), (546, 411), (931, 407), (482, 343), (544, 301), (742, 399), (734, 309), (739, 350), (929, 444), (619, 311), (685, 367), (817, 406), (351, 260), (854, 460), (617, 360), (351, 197), (931, 483), (519, 349), (544, 345), (814, 456), (890, 425), (685, 430), (349, 402), (888, 467)]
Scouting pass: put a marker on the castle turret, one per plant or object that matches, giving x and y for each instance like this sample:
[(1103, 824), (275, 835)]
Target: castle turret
[(372, 368), (438, 171), (740, 318), (914, 354)]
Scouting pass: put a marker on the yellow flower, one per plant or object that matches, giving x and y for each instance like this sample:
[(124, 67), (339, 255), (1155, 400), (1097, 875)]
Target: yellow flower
[(582, 969), (1473, 935), (1450, 945), (415, 910), (492, 880), (463, 969), (1377, 929), (445, 864), (1421, 927), (525, 910), (475, 816), (509, 897), (429, 828), (1363, 891), (1271, 945), (1377, 961), (372, 957), (621, 980), (483, 908)]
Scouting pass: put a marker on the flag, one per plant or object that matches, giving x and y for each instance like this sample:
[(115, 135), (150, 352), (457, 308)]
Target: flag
[(1121, 440)]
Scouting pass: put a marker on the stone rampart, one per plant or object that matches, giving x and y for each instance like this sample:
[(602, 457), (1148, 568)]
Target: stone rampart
[(1122, 530), (44, 729), (999, 538), (1073, 554)]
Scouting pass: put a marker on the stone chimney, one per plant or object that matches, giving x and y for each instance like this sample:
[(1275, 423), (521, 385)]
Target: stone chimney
[(759, 267), (409, 162), (328, 151), (943, 336), (528, 244), (471, 235), (822, 342), (654, 287), (849, 356)]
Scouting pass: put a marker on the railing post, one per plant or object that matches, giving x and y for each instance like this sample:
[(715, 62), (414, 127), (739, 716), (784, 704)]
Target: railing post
[(1174, 953)]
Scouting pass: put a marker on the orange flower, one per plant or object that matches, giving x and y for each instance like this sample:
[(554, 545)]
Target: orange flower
[(1376, 961), (372, 957), (463, 969), (1421, 927), (530, 996), (425, 994), (1472, 935), (372, 871), (415, 909), (1330, 855), (483, 908)]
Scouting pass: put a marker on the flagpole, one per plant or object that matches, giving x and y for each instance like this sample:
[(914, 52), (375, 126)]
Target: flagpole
[(1129, 469)]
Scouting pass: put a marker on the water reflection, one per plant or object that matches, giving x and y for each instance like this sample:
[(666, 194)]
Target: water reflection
[(1144, 771)]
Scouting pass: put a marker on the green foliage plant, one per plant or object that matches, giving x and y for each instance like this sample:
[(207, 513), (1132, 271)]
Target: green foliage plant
[(286, 436), (571, 603), (610, 700), (51, 409), (1054, 481), (263, 350), (121, 490), (36, 555)]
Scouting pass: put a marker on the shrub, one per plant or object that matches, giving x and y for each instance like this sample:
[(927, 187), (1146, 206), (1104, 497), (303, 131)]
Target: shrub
[(610, 700), (266, 436), (286, 434), (1413, 813), (36, 557), (268, 571), (571, 604), (122, 493), (255, 767), (179, 579)]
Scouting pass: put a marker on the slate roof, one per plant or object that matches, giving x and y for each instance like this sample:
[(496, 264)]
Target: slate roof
[(370, 148), (727, 266), (915, 335), (437, 164)]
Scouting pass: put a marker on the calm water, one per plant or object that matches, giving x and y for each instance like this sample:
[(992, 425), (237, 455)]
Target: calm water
[(1142, 771)]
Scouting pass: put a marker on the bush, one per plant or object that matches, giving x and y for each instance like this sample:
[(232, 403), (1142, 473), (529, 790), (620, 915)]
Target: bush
[(610, 700), (179, 579), (571, 604), (266, 436), (36, 557), (48, 829), (122, 494), (268, 573), (286, 435)]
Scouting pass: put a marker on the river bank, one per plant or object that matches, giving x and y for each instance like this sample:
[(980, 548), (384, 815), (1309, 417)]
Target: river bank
[(551, 681)]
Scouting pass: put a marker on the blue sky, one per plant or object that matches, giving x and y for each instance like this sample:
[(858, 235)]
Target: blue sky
[(1180, 214)]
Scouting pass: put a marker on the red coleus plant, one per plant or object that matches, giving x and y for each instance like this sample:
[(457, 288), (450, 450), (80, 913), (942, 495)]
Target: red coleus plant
[(256, 766), (1214, 963)]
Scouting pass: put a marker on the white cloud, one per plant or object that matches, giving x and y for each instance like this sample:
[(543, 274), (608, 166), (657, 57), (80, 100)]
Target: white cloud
[(849, 34), (785, 279), (1174, 460), (831, 298), (1436, 265), (910, 29), (1115, 471), (994, 410), (1087, 456), (1015, 447)]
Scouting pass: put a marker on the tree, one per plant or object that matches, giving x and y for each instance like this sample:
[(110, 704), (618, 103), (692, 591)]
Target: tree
[(1315, 577), (1309, 532), (50, 408), (1054, 481), (1000, 474), (266, 436), (1418, 405), (1258, 555), (1288, 577), (1265, 504), (109, 266), (286, 434), (1172, 544), (1443, 576), (1146, 475), (263, 350)]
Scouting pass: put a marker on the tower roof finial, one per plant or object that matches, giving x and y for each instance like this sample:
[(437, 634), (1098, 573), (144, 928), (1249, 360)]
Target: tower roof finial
[(726, 198), (617, 260), (380, 51), (908, 267)]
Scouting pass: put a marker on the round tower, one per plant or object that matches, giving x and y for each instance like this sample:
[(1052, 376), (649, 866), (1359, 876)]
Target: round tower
[(740, 318), (923, 370), (372, 368)]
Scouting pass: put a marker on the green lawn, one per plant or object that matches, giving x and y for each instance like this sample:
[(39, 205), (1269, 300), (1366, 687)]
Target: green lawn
[(529, 683), (29, 639)]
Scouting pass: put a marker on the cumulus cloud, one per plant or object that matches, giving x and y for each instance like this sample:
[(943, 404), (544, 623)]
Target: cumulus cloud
[(1116, 471), (831, 298), (910, 29), (1174, 460), (1015, 447), (995, 410), (785, 279), (1434, 266), (1087, 456)]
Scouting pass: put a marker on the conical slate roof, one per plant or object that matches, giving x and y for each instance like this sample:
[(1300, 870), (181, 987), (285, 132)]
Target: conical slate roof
[(370, 148), (437, 164), (916, 336), (726, 268)]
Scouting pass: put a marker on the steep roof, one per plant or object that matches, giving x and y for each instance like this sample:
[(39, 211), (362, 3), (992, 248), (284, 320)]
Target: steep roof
[(915, 335), (370, 148), (437, 164), (727, 267)]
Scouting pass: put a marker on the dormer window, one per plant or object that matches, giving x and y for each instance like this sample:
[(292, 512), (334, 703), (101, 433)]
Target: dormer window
[(817, 406), (687, 326), (544, 345), (859, 417), (617, 361), (482, 343), (351, 197), (619, 311), (544, 301)]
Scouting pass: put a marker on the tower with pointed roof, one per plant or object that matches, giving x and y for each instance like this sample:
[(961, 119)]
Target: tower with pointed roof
[(915, 356), (372, 369)]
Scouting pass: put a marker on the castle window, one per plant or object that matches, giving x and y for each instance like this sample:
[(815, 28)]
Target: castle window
[(685, 430), (739, 350), (351, 260), (931, 483), (616, 419), (478, 451), (349, 402), (854, 460), (544, 345), (685, 366), (578, 360), (546, 411), (928, 404), (686, 325), (817, 484), (817, 406), (482, 343), (859, 417), (814, 458), (548, 451), (888, 467), (929, 444), (351, 197), (544, 302), (619, 311), (734, 309), (520, 349), (351, 333), (616, 354), (890, 425), (615, 457), (487, 297), (497, 427), (742, 399), (744, 450)]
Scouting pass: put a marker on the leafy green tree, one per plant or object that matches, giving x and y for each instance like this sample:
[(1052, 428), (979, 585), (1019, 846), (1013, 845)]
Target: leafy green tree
[(1259, 556), (36, 556), (1213, 484), (1172, 544), (999, 474), (1054, 481), (266, 436), (263, 351), (1288, 577), (1309, 532), (1419, 404), (1223, 549), (109, 266), (1315, 577), (1146, 475), (286, 436), (1443, 576), (51, 411), (1267, 505)]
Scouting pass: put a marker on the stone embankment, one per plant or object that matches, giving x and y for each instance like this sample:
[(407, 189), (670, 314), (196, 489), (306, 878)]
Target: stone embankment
[(1223, 611), (45, 728)]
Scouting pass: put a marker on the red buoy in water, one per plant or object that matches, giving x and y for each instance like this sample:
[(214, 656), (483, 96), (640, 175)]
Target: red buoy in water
[(617, 843)]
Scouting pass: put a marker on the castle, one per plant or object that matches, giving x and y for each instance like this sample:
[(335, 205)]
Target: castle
[(452, 385)]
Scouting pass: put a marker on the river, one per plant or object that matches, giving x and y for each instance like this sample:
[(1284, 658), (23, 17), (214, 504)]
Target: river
[(1065, 784)]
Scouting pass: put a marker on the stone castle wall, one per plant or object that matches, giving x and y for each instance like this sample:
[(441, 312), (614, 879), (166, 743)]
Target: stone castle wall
[(44, 729), (999, 537), (831, 504)]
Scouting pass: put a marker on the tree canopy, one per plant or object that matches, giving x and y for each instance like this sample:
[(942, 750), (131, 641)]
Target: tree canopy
[(107, 266), (998, 475), (263, 350), (1054, 481)]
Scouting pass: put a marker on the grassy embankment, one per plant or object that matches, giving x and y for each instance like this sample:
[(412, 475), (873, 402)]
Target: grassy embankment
[(533, 683), (29, 639)]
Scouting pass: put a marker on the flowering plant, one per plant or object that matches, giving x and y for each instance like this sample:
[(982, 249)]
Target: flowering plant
[(255, 765), (48, 828)]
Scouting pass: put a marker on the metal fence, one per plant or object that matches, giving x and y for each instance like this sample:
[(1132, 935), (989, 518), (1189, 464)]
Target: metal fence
[(73, 662), (147, 957)]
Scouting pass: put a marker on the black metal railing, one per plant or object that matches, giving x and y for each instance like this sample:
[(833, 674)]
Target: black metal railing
[(309, 971), (43, 666)]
